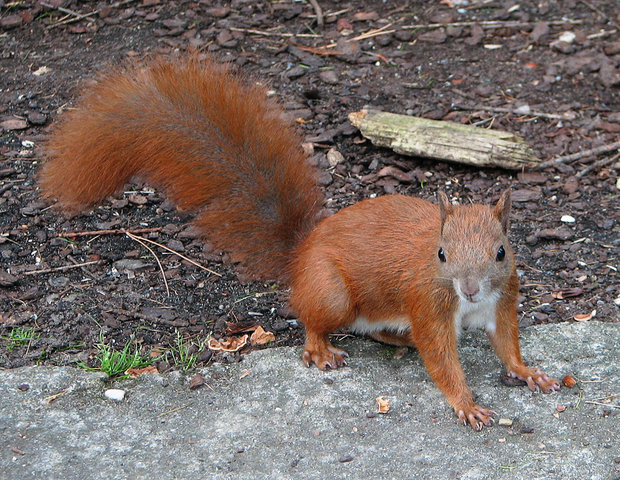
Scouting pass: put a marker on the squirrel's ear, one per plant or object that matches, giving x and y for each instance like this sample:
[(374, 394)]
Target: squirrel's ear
[(502, 209), (445, 207)]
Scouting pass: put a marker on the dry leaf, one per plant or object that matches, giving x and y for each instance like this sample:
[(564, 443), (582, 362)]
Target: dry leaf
[(231, 344), (41, 71), (136, 372), (563, 293), (240, 327), (383, 405), (14, 124), (261, 337), (584, 317), (363, 16), (196, 381)]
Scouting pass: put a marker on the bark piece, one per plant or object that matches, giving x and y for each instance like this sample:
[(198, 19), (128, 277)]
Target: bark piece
[(441, 140)]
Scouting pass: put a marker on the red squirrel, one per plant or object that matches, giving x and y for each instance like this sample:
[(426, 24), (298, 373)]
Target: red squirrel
[(401, 269)]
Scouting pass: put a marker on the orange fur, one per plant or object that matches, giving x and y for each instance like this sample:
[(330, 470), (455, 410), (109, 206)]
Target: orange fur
[(405, 270), (213, 142), (378, 260)]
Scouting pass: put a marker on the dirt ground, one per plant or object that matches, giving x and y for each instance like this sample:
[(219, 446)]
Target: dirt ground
[(547, 71)]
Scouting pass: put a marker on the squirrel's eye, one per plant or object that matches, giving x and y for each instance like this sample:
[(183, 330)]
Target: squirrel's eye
[(501, 253), (441, 255)]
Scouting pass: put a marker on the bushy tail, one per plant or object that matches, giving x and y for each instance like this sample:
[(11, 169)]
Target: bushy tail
[(213, 142)]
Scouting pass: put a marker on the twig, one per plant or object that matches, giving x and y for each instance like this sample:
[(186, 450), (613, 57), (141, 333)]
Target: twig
[(318, 11), (78, 16), (597, 164), (193, 262), (317, 50), (274, 34), (594, 8), (174, 410), (592, 402), (256, 295), (554, 116), (60, 269), (601, 34), (578, 155), (86, 272), (489, 24), (161, 268), (108, 232), (374, 33)]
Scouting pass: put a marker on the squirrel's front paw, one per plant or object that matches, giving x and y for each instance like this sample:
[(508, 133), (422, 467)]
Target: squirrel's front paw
[(536, 379), (475, 415)]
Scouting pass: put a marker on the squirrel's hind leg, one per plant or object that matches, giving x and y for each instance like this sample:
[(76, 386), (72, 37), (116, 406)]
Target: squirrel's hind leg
[(393, 338), (322, 353)]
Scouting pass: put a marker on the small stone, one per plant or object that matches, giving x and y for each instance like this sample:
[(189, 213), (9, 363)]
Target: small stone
[(176, 245), (562, 47), (609, 76), (334, 157), (345, 458), (137, 199), (325, 178), (567, 37), (329, 76), (505, 422), (37, 118), (115, 394), (295, 72), (226, 40), (128, 264), (571, 185), (404, 35), (540, 29), (567, 219)]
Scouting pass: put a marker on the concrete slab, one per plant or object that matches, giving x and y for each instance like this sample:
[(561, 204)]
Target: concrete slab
[(269, 417)]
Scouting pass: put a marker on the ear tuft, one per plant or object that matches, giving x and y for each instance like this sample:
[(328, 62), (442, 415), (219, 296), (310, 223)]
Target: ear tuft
[(445, 207), (502, 209)]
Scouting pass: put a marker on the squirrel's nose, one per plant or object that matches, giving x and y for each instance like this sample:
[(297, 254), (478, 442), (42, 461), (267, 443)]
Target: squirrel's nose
[(469, 287)]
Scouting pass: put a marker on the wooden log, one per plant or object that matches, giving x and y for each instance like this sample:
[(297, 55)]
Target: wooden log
[(449, 141)]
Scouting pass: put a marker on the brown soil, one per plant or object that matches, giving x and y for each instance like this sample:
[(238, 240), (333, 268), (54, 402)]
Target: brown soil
[(473, 73)]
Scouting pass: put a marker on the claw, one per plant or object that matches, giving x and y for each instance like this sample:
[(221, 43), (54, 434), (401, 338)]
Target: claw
[(476, 416)]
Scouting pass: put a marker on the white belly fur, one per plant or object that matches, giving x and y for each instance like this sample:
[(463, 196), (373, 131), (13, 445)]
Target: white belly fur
[(363, 326), (476, 315)]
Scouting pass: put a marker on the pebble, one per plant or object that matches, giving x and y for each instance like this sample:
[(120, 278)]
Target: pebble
[(568, 37), (115, 394), (567, 219), (37, 118), (334, 157), (329, 76)]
